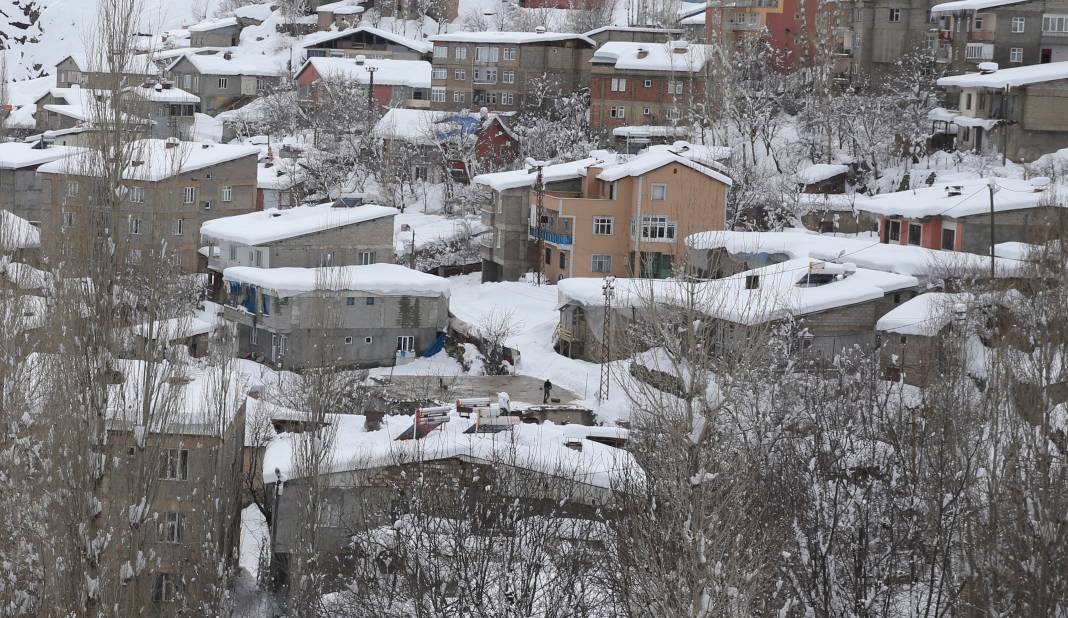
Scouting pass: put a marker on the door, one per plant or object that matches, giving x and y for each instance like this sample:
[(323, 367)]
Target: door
[(1046, 56)]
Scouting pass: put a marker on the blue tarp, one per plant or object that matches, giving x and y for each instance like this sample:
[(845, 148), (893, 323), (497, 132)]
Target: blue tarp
[(435, 347), (250, 299)]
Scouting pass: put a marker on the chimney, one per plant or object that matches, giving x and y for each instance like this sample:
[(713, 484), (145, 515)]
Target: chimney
[(360, 59), (171, 142), (228, 56), (539, 30)]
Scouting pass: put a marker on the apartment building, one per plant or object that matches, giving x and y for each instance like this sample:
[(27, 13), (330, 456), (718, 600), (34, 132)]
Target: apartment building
[(1018, 112), (169, 110), (22, 191), (638, 83), (365, 41), (173, 188), (607, 214), (328, 234), (1003, 31), (794, 29), (224, 81), (394, 83), (363, 316), (506, 70)]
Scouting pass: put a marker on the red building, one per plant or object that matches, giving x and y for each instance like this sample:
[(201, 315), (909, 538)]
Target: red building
[(780, 21)]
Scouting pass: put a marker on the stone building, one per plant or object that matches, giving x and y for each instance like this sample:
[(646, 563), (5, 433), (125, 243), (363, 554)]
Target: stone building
[(507, 70), (173, 187), (359, 316)]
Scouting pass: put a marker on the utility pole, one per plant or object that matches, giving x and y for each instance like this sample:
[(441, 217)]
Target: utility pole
[(278, 489), (993, 186), (608, 289), (539, 212), (371, 87), (1003, 112)]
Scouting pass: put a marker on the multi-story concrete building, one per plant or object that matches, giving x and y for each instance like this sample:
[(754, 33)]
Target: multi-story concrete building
[(646, 83), (22, 192), (1003, 31), (507, 70), (224, 81), (365, 316), (634, 34), (300, 237), (794, 29), (876, 34), (169, 110), (609, 214), (172, 187), (365, 41), (80, 70), (1018, 112), (396, 83)]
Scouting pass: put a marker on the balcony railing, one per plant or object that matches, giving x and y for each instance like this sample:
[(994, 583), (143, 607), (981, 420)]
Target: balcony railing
[(557, 238)]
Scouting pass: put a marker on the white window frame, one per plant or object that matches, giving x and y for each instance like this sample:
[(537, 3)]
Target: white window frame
[(460, 53), (134, 225), (175, 464), (168, 587), (511, 53), (648, 83), (406, 343), (137, 195), (458, 96), (440, 72), (507, 98), (619, 84), (179, 228), (1018, 24), (233, 253), (68, 218), (73, 188), (487, 54), (617, 111), (658, 228), (224, 83), (228, 193), (606, 263), (441, 51), (437, 94), (367, 258), (604, 226), (507, 77), (172, 527), (1016, 54), (658, 188), (189, 195), (459, 75), (1055, 23), (253, 336)]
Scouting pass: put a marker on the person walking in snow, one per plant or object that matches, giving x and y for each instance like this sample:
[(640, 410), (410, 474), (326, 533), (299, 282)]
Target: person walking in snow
[(547, 389)]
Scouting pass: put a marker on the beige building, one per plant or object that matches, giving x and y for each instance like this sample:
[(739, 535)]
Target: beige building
[(506, 70), (173, 188), (609, 214)]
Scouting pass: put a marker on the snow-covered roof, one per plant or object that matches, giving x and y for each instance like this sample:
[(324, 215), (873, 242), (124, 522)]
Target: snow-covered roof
[(512, 38), (926, 315), (159, 94), (970, 5), (274, 178), (943, 114), (424, 126), (381, 279), (697, 19), (864, 252), (213, 24), (267, 226), (779, 292), (955, 199), (820, 172), (642, 29), (257, 12), (673, 56), (538, 447), (17, 155), (152, 160), (387, 72), (644, 130), (972, 121), (318, 38), (614, 166), (136, 64), (254, 65), (1013, 77), (343, 7), (17, 233), (201, 322), (26, 277)]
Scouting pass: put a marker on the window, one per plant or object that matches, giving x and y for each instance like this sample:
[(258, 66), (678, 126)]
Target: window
[(179, 229), (441, 51), (648, 83), (487, 54), (73, 188), (1016, 54), (1018, 24), (674, 87), (563, 260), (167, 588), (135, 225), (137, 195), (978, 23), (367, 257), (348, 340), (171, 528), (1055, 23), (508, 77), (511, 53), (894, 232), (189, 195), (602, 226), (257, 257), (895, 15), (459, 75), (224, 83), (187, 82), (658, 192), (619, 84), (979, 51), (458, 96), (437, 94), (233, 253), (646, 111), (548, 255), (406, 343), (485, 76), (489, 97), (440, 72), (253, 338), (601, 264), (368, 340), (68, 218), (915, 233), (616, 112), (949, 239), (658, 228), (227, 193), (370, 300), (326, 258), (507, 98), (460, 53), (968, 101), (350, 301), (174, 465)]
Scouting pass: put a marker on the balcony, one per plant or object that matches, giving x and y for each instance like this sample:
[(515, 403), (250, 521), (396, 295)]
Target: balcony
[(558, 238), (981, 36)]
